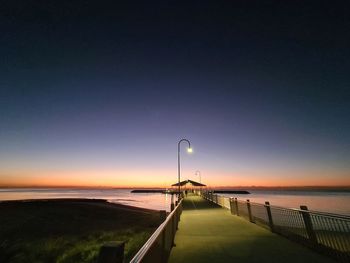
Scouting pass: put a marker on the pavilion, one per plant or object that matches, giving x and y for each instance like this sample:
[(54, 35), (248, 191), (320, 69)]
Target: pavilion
[(192, 183)]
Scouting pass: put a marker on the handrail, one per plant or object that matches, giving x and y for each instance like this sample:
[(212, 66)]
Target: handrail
[(340, 216), (149, 243)]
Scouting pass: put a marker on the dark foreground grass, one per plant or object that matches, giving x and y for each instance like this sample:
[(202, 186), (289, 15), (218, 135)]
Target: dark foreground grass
[(70, 230)]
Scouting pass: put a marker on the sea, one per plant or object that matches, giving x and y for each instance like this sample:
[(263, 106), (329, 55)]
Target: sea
[(337, 202)]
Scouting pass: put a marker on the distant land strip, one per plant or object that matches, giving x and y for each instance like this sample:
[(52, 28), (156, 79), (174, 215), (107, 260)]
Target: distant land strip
[(170, 192), (244, 192), (149, 191)]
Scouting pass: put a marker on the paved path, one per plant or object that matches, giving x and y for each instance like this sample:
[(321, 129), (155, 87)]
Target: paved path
[(209, 233)]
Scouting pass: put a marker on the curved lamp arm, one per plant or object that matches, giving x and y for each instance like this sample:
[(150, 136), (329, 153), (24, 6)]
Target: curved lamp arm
[(189, 149)]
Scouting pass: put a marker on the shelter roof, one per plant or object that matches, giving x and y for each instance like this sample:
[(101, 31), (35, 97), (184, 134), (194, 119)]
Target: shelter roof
[(194, 183)]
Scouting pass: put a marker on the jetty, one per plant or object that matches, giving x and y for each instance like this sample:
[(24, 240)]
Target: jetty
[(207, 227)]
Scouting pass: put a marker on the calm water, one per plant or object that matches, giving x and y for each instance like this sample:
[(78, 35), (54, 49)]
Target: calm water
[(326, 201), (121, 196)]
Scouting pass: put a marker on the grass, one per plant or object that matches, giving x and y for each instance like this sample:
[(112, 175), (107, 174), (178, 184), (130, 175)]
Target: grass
[(65, 231)]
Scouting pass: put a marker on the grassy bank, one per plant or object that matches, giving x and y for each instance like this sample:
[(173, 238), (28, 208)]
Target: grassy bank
[(70, 230)]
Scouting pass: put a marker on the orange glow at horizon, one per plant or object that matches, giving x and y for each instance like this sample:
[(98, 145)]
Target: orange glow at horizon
[(164, 178)]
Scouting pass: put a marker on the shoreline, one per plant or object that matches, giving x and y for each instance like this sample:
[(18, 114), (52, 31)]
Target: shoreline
[(81, 201)]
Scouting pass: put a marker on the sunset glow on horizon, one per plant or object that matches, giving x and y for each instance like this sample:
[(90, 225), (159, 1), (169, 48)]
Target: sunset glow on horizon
[(164, 179)]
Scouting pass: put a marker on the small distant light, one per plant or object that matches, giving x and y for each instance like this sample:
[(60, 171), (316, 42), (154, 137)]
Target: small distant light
[(189, 150)]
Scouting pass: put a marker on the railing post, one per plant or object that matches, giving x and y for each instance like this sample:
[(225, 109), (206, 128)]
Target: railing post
[(249, 211), (172, 206), (177, 218), (236, 204), (162, 252), (308, 224), (232, 206), (173, 230), (112, 252), (162, 214), (269, 215)]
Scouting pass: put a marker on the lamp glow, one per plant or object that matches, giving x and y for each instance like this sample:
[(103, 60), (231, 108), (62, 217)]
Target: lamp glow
[(189, 150)]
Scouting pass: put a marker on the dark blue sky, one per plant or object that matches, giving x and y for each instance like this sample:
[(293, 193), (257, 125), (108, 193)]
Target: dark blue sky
[(258, 87)]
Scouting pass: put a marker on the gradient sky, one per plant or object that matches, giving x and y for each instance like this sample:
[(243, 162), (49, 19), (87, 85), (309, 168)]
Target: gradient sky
[(98, 93)]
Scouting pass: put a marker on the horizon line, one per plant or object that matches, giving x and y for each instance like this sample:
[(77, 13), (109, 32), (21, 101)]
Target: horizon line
[(162, 187)]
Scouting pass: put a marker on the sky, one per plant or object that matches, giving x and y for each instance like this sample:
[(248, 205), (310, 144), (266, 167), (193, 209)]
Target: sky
[(98, 93)]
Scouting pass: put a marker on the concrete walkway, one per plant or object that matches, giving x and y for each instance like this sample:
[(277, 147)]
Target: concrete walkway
[(209, 233)]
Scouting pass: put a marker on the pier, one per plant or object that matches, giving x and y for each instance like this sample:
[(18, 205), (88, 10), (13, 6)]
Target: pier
[(209, 233), (206, 227)]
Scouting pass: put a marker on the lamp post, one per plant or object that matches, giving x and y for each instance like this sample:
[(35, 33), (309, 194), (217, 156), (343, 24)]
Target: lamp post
[(199, 173), (189, 150), (200, 179)]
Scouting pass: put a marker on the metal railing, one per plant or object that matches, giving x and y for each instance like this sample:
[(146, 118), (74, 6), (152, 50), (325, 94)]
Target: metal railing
[(157, 248), (327, 233)]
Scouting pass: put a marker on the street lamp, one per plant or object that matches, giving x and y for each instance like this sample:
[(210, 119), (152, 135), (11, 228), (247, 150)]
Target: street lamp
[(200, 178), (199, 173), (189, 150)]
